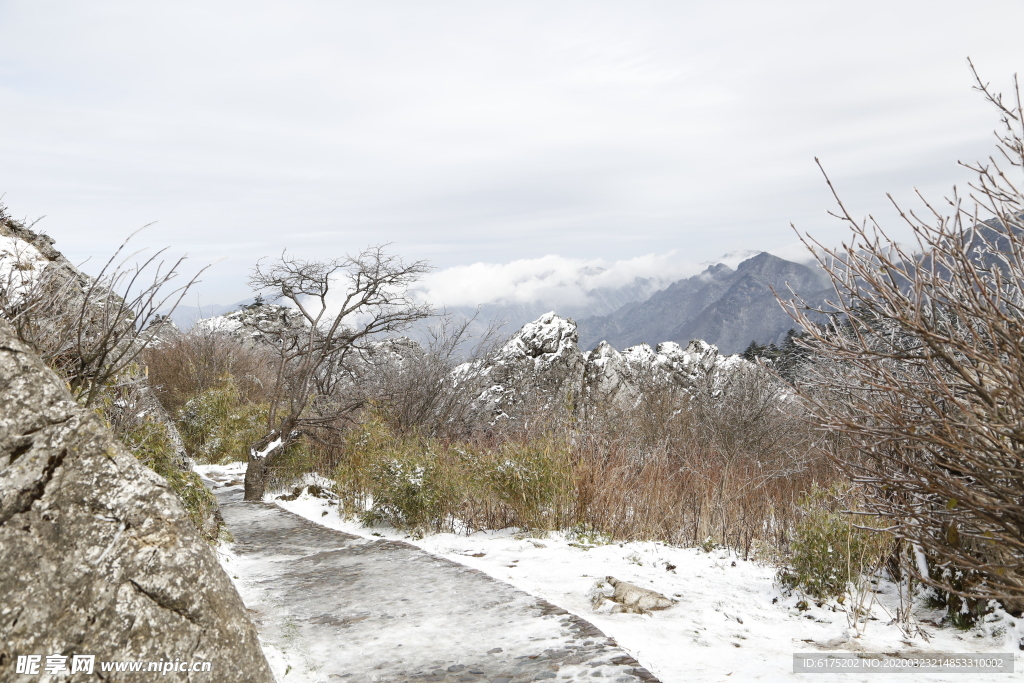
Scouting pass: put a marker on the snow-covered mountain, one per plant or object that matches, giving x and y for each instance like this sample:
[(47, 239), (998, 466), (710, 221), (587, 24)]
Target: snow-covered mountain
[(643, 300)]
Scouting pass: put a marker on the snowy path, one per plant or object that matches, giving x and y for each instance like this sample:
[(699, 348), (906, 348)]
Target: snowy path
[(331, 606)]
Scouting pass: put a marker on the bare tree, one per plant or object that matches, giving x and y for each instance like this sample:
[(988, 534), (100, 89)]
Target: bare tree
[(343, 303), (431, 388), (922, 371)]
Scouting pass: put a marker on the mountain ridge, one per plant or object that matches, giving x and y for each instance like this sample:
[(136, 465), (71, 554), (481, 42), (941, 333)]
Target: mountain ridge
[(726, 307)]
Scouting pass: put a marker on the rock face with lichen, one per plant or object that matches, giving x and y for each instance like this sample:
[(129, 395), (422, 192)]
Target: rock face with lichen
[(100, 557)]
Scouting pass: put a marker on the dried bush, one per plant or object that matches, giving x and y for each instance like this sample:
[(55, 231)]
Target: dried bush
[(185, 365), (88, 329), (416, 389), (653, 470), (724, 462), (920, 372)]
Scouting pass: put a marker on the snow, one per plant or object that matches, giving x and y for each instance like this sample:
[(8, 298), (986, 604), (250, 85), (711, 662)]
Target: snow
[(20, 267), (220, 323), (254, 322), (271, 447), (730, 622), (243, 570), (541, 343)]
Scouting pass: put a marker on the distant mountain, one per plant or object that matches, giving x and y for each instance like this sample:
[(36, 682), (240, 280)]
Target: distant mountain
[(726, 307)]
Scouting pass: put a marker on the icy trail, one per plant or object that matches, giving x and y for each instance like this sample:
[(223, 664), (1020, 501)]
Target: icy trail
[(331, 606)]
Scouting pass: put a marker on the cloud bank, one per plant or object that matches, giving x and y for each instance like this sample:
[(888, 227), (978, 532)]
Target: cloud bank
[(561, 282)]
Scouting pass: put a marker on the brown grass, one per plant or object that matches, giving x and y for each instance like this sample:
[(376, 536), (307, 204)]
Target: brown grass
[(188, 364), (723, 464)]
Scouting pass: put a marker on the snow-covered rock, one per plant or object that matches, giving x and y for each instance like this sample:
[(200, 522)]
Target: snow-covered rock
[(612, 596), (258, 322), (31, 267), (540, 363), (21, 264), (543, 362)]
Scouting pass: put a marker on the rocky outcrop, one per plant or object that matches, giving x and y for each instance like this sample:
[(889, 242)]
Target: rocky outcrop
[(100, 557), (543, 363), (611, 375), (258, 322), (31, 266), (65, 297)]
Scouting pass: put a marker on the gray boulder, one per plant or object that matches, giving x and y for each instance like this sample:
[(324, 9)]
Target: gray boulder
[(31, 267), (100, 557), (258, 323), (613, 596)]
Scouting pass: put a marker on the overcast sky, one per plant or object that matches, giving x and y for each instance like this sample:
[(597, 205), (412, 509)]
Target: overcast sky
[(589, 133)]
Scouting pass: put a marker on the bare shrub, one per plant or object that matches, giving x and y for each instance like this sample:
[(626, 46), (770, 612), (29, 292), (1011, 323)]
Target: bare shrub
[(920, 371), (88, 329), (721, 463), (428, 390), (313, 362)]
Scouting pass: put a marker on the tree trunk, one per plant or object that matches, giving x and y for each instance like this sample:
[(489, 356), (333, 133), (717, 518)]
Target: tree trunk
[(255, 478), (260, 455)]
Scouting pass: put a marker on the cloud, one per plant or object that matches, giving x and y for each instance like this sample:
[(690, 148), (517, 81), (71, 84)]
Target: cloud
[(558, 281), (796, 252)]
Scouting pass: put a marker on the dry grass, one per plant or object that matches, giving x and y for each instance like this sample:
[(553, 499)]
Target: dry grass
[(624, 476), (724, 464), (189, 364)]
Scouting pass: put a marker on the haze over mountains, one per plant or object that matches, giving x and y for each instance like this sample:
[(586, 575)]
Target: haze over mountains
[(726, 307)]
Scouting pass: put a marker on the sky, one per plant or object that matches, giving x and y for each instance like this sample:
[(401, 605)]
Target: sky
[(506, 143)]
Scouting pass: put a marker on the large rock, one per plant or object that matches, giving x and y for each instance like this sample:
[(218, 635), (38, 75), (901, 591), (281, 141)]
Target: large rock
[(624, 377), (541, 364), (31, 267), (259, 323), (100, 558)]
